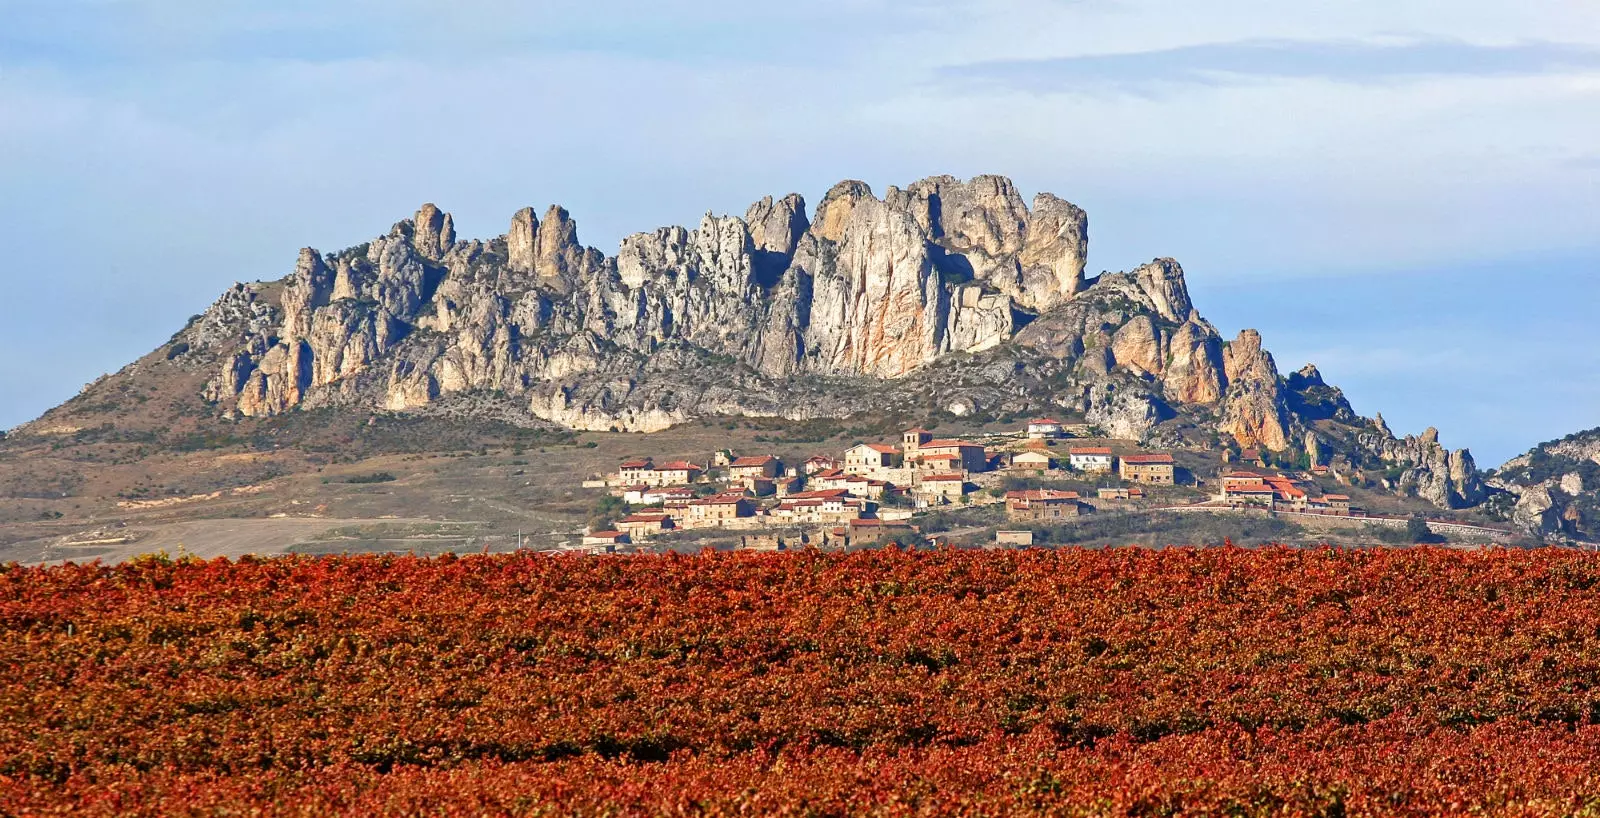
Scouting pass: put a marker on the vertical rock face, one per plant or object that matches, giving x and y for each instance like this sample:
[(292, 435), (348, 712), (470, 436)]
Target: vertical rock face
[(1253, 410), (834, 212), (435, 232), (1054, 255), (522, 241), (776, 226), (1195, 374), (1162, 282)]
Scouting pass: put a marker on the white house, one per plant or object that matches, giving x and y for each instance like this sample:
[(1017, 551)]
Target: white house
[(1091, 459), (1045, 428)]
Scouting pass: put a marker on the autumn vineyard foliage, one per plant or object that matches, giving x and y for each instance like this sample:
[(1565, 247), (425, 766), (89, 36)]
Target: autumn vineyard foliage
[(1069, 682)]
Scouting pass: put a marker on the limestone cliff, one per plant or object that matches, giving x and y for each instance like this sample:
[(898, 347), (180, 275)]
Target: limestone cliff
[(947, 293), (1553, 490)]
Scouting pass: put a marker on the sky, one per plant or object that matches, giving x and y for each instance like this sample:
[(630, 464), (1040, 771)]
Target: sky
[(1405, 192)]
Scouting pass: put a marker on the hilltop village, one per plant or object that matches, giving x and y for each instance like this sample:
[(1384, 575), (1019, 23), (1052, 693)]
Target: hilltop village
[(878, 492)]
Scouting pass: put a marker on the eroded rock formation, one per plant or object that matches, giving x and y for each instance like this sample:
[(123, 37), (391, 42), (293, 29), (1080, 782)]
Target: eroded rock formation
[(737, 315)]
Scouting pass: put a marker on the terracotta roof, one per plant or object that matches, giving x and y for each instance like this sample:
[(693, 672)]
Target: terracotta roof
[(881, 447), (1041, 494), (1101, 450), (943, 478), (636, 464), (677, 465), (1148, 459), (940, 444), (1044, 422), (754, 460), (610, 534), (1331, 497), (926, 458), (1243, 475), (719, 500), (645, 518), (819, 495)]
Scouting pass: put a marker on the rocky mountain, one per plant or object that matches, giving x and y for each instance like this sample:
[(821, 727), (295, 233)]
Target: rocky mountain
[(946, 295), (1554, 489)]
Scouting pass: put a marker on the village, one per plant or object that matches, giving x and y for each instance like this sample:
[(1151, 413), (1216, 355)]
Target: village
[(873, 493)]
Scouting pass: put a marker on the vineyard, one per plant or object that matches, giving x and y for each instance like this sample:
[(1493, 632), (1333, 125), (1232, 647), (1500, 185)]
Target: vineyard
[(1067, 682)]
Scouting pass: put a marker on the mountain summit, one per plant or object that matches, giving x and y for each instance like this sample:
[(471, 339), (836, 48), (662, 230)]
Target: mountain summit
[(943, 296)]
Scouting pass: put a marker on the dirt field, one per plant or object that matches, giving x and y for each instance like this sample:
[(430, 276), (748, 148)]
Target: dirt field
[(89, 500)]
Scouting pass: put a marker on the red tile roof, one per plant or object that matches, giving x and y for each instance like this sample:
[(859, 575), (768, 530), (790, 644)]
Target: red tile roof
[(1331, 497), (754, 460), (1100, 450), (637, 464), (643, 517), (943, 478), (942, 444), (677, 465), (819, 495), (607, 534), (1044, 421), (1034, 495), (719, 500), (882, 447), (1148, 459)]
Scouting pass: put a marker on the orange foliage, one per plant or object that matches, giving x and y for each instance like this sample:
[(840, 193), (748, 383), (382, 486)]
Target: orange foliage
[(1071, 682)]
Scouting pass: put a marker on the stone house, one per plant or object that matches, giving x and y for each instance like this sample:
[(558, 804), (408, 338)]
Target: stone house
[(830, 506), (864, 531), (668, 496), (820, 463), (869, 458), (972, 456), (854, 484), (642, 525), (1023, 537), (1134, 493), (1150, 469), (756, 466), (940, 464), (1032, 461), (1091, 459), (717, 510), (677, 473), (637, 472), (645, 472), (946, 487), (1042, 504)]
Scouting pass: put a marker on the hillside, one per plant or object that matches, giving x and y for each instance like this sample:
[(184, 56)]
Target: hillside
[(944, 299), (1554, 488)]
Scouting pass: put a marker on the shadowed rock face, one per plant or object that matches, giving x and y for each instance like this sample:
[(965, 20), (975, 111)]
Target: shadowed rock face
[(745, 315)]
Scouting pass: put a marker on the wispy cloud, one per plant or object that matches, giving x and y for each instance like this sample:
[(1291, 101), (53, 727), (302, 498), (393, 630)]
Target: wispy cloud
[(1247, 60)]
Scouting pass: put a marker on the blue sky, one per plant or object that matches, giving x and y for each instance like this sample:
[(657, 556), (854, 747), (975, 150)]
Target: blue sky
[(1406, 192)]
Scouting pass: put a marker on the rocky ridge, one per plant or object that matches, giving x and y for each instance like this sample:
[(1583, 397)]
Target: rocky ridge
[(945, 295), (1554, 489)]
